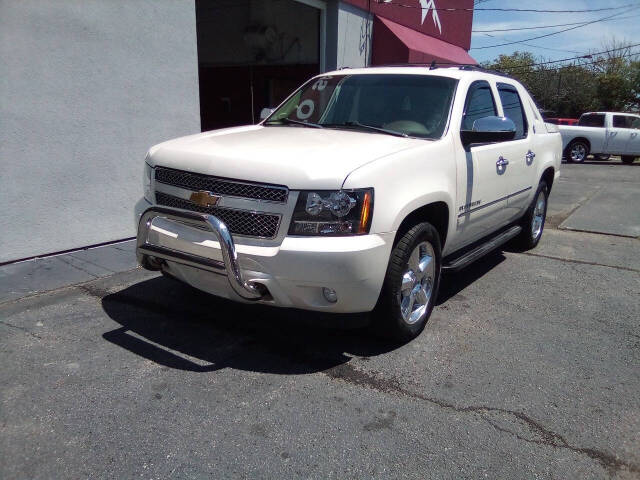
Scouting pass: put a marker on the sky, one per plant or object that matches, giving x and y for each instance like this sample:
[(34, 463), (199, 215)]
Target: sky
[(590, 38)]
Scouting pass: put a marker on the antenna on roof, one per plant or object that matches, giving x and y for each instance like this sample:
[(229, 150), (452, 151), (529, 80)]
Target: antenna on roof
[(433, 65)]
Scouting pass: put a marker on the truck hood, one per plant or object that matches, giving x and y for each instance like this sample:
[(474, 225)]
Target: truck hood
[(297, 157)]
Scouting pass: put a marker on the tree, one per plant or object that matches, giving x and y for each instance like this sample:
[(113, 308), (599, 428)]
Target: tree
[(634, 75), (609, 81), (616, 77)]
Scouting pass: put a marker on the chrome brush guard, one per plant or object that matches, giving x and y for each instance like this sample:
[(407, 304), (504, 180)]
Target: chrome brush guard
[(151, 256)]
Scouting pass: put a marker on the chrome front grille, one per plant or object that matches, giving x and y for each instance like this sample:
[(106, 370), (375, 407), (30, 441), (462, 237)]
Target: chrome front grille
[(240, 222), (221, 186)]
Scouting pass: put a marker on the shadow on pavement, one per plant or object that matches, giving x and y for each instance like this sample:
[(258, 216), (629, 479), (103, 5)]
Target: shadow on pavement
[(454, 283), (179, 327), (612, 161)]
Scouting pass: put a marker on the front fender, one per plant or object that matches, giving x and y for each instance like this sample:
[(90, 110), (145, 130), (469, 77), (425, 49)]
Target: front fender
[(407, 181), (419, 202)]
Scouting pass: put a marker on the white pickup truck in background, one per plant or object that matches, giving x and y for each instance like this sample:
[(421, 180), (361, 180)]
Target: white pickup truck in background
[(601, 134)]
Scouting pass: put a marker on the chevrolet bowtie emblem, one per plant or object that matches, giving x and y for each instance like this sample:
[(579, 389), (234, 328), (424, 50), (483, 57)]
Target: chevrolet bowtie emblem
[(204, 198)]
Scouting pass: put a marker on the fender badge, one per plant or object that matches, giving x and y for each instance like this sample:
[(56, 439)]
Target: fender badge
[(204, 198)]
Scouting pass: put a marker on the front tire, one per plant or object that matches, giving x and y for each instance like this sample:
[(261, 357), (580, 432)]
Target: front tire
[(411, 284), (628, 159), (533, 221), (577, 151)]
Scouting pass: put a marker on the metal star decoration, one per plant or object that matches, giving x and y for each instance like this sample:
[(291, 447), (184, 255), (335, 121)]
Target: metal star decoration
[(426, 6)]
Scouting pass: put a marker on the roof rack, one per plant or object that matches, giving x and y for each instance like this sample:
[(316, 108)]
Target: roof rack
[(434, 65), (486, 70)]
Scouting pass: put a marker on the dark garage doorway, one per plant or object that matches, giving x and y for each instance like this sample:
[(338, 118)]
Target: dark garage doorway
[(251, 55)]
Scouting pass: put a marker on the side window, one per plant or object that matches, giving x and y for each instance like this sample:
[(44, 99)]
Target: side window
[(620, 121), (635, 123), (591, 120), (479, 104), (512, 107)]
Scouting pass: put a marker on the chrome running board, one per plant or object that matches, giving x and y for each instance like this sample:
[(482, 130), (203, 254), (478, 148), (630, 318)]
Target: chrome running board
[(151, 256), (457, 263)]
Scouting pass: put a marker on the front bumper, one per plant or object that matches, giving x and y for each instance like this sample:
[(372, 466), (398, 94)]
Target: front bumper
[(196, 250)]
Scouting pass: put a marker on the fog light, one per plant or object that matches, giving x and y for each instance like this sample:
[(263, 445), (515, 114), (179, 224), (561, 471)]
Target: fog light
[(330, 295)]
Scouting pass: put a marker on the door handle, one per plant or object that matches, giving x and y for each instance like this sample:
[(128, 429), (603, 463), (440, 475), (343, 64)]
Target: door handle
[(502, 162), (529, 157)]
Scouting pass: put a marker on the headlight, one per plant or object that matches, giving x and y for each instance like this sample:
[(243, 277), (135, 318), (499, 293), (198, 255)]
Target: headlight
[(146, 183), (343, 212)]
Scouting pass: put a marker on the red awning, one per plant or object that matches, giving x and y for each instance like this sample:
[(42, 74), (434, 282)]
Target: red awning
[(395, 43)]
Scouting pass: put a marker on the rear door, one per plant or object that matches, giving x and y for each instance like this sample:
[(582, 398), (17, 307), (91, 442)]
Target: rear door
[(519, 152), (482, 187)]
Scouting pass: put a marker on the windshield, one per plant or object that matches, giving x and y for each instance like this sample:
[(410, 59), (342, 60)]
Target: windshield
[(407, 105)]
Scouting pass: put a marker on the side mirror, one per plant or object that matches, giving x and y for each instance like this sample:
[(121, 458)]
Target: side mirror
[(489, 130), (265, 112)]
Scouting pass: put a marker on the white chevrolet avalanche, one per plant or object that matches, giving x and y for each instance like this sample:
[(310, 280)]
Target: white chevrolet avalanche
[(354, 194)]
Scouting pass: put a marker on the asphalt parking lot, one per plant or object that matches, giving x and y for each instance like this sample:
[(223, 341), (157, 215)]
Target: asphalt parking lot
[(529, 368)]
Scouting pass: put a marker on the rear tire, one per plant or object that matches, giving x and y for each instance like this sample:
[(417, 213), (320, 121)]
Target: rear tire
[(533, 221), (628, 159), (577, 151), (411, 285)]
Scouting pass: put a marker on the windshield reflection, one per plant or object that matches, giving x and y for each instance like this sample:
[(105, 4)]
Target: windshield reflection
[(395, 104)]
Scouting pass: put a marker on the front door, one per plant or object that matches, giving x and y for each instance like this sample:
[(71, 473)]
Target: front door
[(633, 145), (618, 135), (482, 185)]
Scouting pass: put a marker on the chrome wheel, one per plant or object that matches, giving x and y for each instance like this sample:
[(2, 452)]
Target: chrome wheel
[(417, 283), (539, 211), (578, 152)]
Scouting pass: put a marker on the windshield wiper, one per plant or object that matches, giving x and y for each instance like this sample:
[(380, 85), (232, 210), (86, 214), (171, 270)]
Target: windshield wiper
[(369, 127), (295, 122)]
